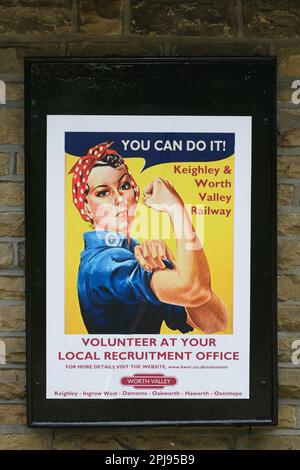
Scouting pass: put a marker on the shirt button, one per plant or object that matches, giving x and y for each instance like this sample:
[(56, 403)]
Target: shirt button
[(112, 239)]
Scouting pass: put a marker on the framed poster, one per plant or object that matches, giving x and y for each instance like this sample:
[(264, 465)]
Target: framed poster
[(151, 241)]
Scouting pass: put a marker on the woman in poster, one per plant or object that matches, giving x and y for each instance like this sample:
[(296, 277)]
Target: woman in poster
[(129, 288)]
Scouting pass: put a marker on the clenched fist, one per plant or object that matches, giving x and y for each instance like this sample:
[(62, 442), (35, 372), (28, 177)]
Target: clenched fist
[(161, 195)]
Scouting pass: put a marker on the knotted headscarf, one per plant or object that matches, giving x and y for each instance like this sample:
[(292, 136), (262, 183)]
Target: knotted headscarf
[(83, 168)]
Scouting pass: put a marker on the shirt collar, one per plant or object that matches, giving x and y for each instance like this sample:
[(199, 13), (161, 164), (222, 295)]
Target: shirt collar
[(106, 239)]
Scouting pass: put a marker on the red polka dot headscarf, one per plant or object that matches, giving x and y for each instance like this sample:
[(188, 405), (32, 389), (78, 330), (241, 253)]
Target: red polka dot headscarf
[(83, 168)]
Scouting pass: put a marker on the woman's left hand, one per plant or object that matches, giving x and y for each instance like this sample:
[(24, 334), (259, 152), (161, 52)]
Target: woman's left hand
[(150, 254)]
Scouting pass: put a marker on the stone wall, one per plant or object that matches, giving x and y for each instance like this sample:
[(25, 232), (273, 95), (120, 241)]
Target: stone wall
[(143, 28)]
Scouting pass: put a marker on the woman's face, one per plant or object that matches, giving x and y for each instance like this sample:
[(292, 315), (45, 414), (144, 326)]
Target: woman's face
[(111, 200)]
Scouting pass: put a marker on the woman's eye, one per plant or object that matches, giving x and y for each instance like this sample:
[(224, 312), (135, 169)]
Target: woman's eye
[(102, 193), (125, 186)]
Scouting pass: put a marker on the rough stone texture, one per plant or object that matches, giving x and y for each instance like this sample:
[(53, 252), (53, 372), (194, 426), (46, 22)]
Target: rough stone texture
[(285, 349), (12, 318), (14, 91), (290, 138), (288, 118), (271, 18), (288, 59), (289, 223), (285, 194), (288, 254), (12, 287), (219, 48), (184, 18), (36, 17), (38, 49), (11, 193), (13, 414), (6, 255), (289, 317), (261, 442), (288, 167), (4, 164), (83, 442), (141, 439), (15, 349), (12, 223), (12, 385), (11, 59), (20, 164), (32, 441), (137, 48), (289, 127), (36, 3), (11, 125), (296, 198), (284, 93), (21, 255), (286, 416), (289, 383), (8, 60), (101, 17), (288, 287)]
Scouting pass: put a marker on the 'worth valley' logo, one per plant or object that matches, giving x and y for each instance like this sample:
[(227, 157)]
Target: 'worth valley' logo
[(148, 381)]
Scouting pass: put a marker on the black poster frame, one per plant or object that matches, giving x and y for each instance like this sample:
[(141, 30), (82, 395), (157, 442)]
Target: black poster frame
[(224, 86)]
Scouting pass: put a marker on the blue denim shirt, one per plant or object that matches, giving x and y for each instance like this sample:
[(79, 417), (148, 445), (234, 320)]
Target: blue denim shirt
[(114, 290)]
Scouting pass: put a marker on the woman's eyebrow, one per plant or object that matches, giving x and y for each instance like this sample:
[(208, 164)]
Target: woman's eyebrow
[(106, 185), (125, 174), (101, 186)]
